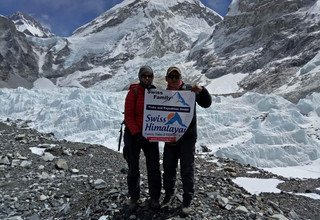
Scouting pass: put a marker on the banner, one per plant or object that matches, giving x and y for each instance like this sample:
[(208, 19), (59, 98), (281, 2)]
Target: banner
[(167, 114)]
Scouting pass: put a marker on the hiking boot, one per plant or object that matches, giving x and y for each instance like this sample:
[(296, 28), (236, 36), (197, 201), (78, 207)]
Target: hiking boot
[(133, 204), (154, 204), (186, 210), (168, 199)]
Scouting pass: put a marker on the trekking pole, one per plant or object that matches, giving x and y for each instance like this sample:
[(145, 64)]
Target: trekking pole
[(120, 137)]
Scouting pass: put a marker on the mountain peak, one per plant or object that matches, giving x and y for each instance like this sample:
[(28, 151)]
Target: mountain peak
[(151, 11), (157, 32), (28, 25)]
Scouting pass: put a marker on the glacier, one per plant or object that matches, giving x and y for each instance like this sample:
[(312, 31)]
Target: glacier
[(258, 129)]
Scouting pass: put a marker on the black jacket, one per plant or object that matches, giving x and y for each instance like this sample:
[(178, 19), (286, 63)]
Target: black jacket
[(204, 100)]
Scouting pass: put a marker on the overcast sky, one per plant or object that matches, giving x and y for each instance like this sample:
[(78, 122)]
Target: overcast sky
[(62, 17)]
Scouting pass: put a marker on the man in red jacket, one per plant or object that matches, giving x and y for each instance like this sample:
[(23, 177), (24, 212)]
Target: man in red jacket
[(134, 142)]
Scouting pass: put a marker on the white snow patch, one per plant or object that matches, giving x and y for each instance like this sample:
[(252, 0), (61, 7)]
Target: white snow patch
[(226, 84)]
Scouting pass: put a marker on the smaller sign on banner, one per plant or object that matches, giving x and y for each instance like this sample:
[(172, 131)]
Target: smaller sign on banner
[(167, 114)]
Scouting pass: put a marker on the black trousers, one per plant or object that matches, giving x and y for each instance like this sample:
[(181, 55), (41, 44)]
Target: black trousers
[(132, 155), (185, 151)]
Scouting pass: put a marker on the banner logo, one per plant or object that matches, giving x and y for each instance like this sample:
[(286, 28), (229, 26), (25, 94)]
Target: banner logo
[(175, 117), (167, 114), (179, 99)]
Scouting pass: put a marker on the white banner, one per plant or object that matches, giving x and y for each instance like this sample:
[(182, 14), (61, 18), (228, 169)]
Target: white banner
[(167, 114)]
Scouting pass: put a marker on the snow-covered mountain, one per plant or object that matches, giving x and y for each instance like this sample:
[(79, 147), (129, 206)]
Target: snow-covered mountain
[(18, 62), (112, 46), (267, 42), (265, 46), (160, 33), (28, 25)]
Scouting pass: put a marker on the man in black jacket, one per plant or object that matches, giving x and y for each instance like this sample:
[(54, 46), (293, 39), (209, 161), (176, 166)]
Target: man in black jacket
[(184, 148)]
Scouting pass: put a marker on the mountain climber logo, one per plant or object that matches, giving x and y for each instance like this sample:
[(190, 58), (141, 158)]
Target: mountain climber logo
[(175, 117), (179, 99)]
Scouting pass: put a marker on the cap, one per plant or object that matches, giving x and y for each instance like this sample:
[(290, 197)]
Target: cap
[(145, 69), (173, 69)]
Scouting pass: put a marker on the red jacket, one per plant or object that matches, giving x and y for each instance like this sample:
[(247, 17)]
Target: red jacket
[(133, 108)]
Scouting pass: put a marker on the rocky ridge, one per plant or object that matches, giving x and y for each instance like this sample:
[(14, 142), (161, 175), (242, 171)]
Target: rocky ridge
[(44, 178), (29, 26), (18, 61), (268, 40)]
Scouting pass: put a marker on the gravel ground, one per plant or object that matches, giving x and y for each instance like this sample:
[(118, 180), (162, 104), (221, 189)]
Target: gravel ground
[(65, 180)]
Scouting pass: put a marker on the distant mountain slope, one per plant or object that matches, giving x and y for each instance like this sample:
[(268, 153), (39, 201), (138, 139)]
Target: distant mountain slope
[(270, 40), (28, 25), (264, 46), (18, 62), (112, 46), (135, 32)]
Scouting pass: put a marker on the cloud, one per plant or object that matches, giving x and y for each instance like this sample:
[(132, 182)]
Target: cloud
[(67, 15), (60, 16), (46, 21)]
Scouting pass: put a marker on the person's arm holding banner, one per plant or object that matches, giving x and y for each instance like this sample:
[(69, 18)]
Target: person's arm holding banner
[(203, 98)]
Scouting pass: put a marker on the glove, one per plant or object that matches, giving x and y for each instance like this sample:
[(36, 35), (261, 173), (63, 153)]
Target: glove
[(141, 140)]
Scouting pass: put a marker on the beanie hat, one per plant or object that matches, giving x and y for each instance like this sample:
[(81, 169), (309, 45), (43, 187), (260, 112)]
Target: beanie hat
[(173, 69), (145, 69)]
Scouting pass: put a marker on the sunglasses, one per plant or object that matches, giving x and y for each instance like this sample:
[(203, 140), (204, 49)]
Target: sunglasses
[(144, 76), (174, 76)]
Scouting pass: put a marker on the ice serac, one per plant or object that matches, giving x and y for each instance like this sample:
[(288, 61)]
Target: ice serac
[(269, 40)]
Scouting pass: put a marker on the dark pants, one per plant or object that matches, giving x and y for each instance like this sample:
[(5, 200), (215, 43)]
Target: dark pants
[(132, 155), (185, 151)]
